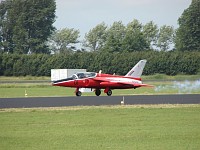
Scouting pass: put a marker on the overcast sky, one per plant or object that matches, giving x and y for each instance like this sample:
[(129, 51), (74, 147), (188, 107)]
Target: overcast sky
[(86, 14)]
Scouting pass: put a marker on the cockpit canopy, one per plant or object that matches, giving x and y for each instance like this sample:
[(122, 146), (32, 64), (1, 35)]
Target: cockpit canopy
[(81, 75)]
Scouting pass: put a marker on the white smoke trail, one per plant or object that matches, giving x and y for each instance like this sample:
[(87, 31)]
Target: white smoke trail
[(182, 87)]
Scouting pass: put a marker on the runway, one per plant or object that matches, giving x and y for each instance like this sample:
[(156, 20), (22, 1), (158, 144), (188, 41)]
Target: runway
[(98, 101)]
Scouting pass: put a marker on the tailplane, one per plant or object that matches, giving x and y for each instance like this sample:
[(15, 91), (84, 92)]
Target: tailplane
[(137, 70)]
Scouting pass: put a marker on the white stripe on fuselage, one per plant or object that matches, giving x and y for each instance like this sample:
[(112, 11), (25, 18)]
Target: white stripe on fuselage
[(127, 80)]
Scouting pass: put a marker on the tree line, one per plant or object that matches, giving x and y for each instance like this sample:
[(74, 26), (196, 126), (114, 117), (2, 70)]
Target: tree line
[(31, 45), (170, 63), (26, 27)]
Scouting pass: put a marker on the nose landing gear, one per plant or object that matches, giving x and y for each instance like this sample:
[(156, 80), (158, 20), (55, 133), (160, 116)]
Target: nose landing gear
[(77, 92)]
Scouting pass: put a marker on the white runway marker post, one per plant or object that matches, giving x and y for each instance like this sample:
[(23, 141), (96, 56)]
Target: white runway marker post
[(25, 94), (122, 102)]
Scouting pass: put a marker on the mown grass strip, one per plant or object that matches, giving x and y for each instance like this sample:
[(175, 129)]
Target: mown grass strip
[(100, 107), (118, 127)]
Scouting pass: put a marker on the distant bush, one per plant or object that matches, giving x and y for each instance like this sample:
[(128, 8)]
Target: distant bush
[(170, 63)]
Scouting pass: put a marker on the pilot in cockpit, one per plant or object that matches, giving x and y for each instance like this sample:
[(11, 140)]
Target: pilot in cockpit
[(81, 75)]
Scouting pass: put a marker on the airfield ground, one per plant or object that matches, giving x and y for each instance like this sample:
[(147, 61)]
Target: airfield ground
[(106, 127)]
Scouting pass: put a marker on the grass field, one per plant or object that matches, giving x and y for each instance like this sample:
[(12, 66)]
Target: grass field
[(45, 89), (163, 85), (158, 127)]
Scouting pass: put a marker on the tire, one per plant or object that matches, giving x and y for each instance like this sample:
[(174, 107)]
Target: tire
[(98, 92), (78, 93), (109, 93)]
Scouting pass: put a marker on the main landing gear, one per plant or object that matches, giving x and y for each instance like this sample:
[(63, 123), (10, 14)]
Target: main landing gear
[(107, 91), (98, 92)]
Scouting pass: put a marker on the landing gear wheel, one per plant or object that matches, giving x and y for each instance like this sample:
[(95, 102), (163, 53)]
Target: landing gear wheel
[(109, 93), (78, 93), (98, 92)]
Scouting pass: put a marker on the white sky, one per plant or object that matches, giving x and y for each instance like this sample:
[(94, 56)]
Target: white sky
[(86, 14)]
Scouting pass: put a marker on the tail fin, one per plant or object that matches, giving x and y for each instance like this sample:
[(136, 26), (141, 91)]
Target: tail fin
[(137, 70)]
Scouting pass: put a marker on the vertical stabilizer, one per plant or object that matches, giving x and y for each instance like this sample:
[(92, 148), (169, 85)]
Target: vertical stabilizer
[(137, 70)]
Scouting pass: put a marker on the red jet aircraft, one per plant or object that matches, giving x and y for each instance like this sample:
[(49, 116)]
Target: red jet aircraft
[(107, 82)]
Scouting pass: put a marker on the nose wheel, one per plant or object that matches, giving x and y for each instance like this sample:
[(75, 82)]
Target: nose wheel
[(78, 93)]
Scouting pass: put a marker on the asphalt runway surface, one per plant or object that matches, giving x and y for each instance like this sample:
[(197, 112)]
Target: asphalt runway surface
[(98, 101)]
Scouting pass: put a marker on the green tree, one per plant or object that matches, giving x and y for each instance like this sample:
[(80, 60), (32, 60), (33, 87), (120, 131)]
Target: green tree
[(115, 36), (165, 37), (188, 33), (95, 38), (26, 25), (150, 32), (134, 39), (63, 40), (6, 25)]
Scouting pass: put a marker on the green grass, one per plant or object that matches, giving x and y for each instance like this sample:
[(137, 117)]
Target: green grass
[(163, 85), (45, 89), (121, 128)]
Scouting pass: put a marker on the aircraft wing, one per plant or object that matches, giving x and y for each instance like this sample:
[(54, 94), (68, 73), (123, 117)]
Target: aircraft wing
[(108, 81)]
